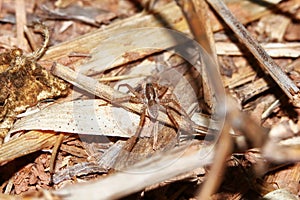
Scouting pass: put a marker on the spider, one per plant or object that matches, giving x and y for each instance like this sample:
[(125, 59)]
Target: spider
[(152, 96)]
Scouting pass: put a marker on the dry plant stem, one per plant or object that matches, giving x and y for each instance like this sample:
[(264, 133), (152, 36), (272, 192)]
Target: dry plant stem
[(206, 39), (214, 79), (27, 143), (214, 178), (86, 83), (270, 109), (55, 152), (195, 11), (286, 84), (109, 94), (194, 23), (275, 50), (215, 175), (21, 22)]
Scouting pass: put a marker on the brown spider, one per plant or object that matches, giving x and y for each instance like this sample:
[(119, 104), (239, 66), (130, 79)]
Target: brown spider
[(152, 97)]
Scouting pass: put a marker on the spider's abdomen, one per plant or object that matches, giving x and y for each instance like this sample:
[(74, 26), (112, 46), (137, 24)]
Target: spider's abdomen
[(153, 108)]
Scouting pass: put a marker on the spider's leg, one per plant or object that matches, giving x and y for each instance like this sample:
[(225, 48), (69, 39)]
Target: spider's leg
[(133, 139), (161, 90), (155, 134), (165, 102), (137, 98), (173, 120), (179, 109), (132, 90)]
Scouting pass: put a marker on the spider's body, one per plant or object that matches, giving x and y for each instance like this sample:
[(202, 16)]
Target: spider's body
[(152, 97)]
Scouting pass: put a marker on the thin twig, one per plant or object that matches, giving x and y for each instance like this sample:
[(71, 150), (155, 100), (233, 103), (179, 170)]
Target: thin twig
[(286, 84)]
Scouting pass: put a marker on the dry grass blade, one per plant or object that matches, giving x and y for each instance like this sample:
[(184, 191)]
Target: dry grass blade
[(170, 13), (77, 117), (127, 47), (286, 84), (151, 171)]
